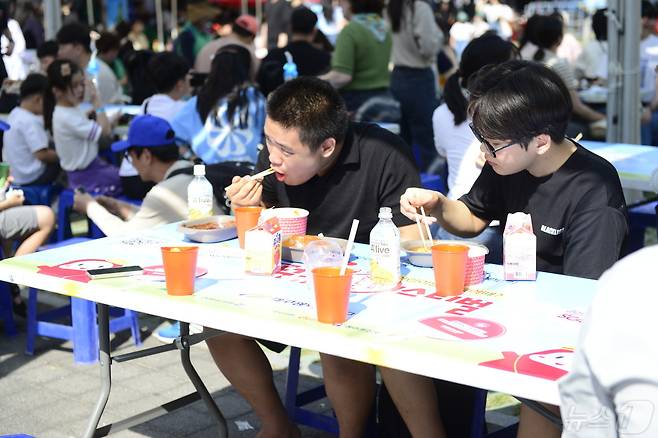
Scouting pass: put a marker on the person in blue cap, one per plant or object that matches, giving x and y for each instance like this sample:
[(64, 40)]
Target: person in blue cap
[(151, 148)]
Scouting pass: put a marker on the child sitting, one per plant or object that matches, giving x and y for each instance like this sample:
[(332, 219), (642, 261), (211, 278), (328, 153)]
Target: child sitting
[(77, 133), (26, 143)]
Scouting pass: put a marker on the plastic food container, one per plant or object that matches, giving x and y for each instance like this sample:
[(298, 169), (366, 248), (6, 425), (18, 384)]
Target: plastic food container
[(209, 229), (292, 249), (420, 256), (291, 220)]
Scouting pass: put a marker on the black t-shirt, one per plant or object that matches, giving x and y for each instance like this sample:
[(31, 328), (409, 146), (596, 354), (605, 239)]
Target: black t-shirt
[(578, 213), (310, 61), (371, 171)]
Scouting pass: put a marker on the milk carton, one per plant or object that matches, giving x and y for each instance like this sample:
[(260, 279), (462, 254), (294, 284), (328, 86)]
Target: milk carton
[(519, 248), (262, 246)]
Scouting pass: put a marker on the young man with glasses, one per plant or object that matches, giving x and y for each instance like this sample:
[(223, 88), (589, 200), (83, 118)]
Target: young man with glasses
[(520, 112), (150, 147)]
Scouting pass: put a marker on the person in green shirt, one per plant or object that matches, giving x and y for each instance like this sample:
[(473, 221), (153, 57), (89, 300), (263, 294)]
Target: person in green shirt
[(193, 35), (359, 65)]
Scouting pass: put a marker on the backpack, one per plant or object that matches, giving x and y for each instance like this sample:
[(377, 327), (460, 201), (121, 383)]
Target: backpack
[(220, 175)]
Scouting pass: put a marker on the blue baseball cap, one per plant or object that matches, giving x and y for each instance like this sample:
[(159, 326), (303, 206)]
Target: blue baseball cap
[(147, 131)]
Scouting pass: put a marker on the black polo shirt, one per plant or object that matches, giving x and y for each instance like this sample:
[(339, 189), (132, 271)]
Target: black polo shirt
[(373, 170), (578, 212)]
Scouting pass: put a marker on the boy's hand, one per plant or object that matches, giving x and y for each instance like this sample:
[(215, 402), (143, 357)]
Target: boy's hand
[(15, 198), (244, 191), (414, 198)]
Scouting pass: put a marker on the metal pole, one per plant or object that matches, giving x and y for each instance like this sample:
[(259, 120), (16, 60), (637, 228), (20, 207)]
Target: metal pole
[(90, 13), (52, 11), (174, 19), (630, 120), (159, 22), (245, 7), (259, 13), (105, 366), (614, 71)]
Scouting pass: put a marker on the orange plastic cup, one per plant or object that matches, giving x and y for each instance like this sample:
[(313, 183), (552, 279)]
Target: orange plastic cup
[(180, 268), (332, 293), (449, 262), (245, 219)]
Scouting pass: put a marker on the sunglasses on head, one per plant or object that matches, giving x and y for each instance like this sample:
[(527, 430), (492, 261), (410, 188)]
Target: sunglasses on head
[(490, 148)]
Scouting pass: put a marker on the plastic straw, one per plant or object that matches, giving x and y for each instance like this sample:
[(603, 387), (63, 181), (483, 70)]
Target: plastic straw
[(348, 249)]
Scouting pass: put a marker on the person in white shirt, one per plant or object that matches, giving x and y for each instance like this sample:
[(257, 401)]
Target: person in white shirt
[(151, 148), (453, 137), (169, 73), (592, 64), (107, 50), (648, 65), (612, 389), (76, 133), (26, 142)]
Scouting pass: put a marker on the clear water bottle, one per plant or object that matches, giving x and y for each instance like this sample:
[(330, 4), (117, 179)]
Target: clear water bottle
[(93, 69), (385, 251), (289, 68), (199, 194)]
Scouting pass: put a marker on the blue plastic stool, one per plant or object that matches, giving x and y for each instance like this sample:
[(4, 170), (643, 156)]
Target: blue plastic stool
[(433, 182), (82, 330), (40, 194), (6, 312), (640, 217), (294, 402), (64, 222)]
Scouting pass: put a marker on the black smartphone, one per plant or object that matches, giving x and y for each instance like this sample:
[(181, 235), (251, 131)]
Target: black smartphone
[(121, 271)]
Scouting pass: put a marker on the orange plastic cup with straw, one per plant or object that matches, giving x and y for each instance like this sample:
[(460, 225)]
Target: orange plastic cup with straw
[(332, 286)]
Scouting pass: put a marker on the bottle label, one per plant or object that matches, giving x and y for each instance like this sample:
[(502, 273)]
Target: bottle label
[(199, 207), (384, 262)]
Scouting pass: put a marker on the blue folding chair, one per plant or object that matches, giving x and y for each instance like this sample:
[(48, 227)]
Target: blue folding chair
[(640, 217)]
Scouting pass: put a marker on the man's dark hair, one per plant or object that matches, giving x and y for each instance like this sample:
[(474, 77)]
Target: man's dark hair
[(48, 48), (303, 21), (108, 41), (165, 154), (518, 100), (166, 69), (75, 33), (312, 106), (367, 6), (600, 24), (34, 83)]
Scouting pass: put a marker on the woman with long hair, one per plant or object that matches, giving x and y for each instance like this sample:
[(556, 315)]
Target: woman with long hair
[(416, 43), (224, 122)]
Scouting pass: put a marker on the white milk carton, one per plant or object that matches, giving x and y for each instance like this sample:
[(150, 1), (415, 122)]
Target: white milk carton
[(519, 248), (262, 246)]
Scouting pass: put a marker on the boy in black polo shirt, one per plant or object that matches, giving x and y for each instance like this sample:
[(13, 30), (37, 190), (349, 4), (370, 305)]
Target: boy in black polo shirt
[(519, 113), (338, 171)]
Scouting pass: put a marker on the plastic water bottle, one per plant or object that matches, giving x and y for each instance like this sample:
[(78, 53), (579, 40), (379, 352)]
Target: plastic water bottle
[(385, 251), (93, 68), (289, 68), (199, 194)]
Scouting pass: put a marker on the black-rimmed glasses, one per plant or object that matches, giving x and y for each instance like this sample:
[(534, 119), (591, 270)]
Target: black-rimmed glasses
[(490, 148)]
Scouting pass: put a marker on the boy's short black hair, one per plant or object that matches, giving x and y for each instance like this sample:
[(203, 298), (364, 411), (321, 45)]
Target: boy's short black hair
[(164, 154), (34, 83), (518, 100), (312, 106), (166, 69), (303, 21), (48, 48), (75, 33), (648, 10), (108, 41)]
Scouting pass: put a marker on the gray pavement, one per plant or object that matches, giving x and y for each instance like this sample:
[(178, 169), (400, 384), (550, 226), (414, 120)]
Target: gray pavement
[(47, 395)]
